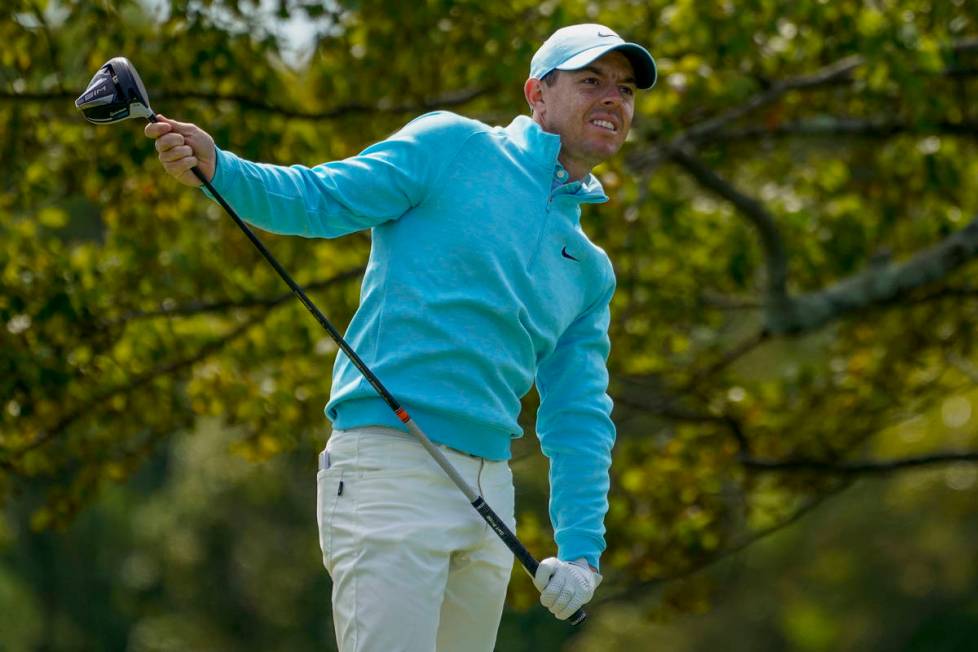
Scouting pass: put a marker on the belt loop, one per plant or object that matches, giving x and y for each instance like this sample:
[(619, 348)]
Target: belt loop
[(478, 476)]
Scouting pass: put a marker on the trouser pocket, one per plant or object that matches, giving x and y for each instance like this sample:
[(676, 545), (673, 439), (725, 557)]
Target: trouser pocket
[(329, 490)]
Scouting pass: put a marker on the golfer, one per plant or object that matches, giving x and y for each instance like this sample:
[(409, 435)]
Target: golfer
[(480, 283)]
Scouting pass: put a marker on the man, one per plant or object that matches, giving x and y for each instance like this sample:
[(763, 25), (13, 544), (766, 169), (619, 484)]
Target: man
[(480, 282)]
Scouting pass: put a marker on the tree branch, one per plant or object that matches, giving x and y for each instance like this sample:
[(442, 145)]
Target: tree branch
[(966, 44), (199, 308), (636, 590), (662, 403), (208, 349), (943, 293), (650, 158), (130, 385), (743, 444), (54, 60), (877, 285), (667, 409), (763, 221), (744, 347), (834, 73), (868, 467), (452, 99), (822, 127), (964, 366), (729, 302), (840, 70), (8, 467)]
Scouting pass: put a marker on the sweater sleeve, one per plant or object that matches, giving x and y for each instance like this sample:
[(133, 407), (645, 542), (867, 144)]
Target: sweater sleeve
[(576, 432), (379, 184)]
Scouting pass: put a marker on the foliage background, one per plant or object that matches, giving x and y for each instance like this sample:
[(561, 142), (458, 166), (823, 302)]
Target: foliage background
[(793, 227)]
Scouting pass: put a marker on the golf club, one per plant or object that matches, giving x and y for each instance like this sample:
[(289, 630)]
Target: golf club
[(116, 93)]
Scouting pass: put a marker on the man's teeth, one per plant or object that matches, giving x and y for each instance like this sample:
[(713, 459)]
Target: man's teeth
[(604, 123)]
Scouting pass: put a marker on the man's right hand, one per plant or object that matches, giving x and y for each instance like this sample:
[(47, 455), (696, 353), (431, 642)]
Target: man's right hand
[(182, 146)]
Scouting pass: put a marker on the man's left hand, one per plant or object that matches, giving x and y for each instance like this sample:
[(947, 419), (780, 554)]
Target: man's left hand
[(565, 586)]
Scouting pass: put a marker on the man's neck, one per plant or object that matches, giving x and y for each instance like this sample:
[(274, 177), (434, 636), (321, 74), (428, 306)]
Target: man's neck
[(575, 169)]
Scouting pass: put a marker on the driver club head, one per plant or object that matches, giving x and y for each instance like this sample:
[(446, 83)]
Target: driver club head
[(116, 93)]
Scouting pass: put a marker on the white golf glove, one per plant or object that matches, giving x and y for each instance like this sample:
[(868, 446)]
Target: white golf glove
[(565, 586)]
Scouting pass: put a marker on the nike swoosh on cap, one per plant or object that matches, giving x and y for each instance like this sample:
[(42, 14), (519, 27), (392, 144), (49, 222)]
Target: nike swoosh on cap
[(608, 35), (563, 252)]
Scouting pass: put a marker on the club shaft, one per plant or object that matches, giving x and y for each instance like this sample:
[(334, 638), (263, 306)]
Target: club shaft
[(526, 559)]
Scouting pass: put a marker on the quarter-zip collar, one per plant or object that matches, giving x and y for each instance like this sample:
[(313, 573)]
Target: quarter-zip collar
[(539, 145), (587, 191), (543, 148)]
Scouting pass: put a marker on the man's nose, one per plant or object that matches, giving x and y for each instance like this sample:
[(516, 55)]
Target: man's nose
[(613, 96)]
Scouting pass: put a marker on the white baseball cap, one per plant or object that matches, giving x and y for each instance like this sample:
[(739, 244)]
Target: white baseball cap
[(574, 47)]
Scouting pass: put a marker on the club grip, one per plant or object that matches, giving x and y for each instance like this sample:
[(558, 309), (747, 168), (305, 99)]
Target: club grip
[(578, 617), (530, 565)]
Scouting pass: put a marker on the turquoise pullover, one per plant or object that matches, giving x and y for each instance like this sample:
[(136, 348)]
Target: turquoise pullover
[(480, 281)]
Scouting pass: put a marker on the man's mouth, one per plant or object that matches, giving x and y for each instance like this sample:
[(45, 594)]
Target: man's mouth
[(604, 124)]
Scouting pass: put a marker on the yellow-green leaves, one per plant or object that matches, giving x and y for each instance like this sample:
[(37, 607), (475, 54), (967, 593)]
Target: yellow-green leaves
[(132, 311)]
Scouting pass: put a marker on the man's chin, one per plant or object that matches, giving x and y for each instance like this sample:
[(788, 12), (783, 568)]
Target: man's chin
[(601, 152)]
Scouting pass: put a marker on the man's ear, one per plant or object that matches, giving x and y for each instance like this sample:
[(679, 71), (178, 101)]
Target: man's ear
[(533, 92)]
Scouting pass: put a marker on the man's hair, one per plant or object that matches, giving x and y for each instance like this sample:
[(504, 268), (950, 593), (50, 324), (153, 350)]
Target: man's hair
[(550, 78)]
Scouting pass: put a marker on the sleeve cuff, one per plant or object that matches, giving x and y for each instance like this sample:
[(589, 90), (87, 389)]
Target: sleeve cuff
[(574, 551), (220, 163)]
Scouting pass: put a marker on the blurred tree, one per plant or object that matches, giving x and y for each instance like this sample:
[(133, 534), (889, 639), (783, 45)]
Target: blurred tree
[(792, 224), (888, 565)]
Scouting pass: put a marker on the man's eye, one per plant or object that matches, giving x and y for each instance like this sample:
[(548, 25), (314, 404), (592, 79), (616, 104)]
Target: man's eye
[(627, 90), (590, 80)]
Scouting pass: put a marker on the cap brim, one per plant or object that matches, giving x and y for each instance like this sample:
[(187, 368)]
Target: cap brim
[(642, 62)]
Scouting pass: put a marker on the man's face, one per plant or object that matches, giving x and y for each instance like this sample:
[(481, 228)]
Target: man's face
[(591, 109)]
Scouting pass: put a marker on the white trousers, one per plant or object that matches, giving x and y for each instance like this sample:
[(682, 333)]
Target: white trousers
[(414, 566)]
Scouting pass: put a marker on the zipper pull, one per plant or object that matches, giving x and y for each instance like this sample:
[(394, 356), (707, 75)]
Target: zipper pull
[(339, 492)]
